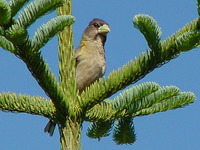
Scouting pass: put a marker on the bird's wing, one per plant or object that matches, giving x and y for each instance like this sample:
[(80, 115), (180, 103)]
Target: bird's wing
[(77, 55)]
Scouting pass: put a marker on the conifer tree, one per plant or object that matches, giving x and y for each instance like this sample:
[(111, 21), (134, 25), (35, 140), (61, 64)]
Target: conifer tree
[(64, 106)]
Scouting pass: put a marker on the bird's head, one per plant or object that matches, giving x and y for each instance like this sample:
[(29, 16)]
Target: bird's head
[(96, 30)]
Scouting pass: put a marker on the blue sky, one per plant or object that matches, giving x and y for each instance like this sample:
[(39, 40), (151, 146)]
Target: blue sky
[(175, 129)]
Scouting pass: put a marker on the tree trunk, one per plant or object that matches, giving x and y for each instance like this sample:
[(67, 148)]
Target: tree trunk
[(70, 132), (70, 135)]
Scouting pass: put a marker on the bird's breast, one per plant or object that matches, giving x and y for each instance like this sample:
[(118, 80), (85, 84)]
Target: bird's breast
[(88, 71), (90, 65)]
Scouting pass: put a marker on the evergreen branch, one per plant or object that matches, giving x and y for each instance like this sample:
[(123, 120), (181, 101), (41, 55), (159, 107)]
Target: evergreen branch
[(103, 111), (27, 104), (183, 98), (124, 132), (131, 95), (146, 102), (41, 72), (193, 25), (17, 34), (107, 110), (188, 40), (37, 9), (48, 30), (198, 7), (150, 29), (117, 80), (5, 12), (6, 44), (2, 31), (16, 5), (134, 71), (97, 130), (169, 49), (67, 77)]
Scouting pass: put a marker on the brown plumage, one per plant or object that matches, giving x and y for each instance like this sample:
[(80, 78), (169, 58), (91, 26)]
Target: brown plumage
[(90, 54), (90, 58)]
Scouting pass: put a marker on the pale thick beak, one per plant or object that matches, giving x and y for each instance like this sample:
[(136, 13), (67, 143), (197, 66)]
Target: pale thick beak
[(104, 29)]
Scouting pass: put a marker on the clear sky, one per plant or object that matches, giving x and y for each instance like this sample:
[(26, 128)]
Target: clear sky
[(172, 130)]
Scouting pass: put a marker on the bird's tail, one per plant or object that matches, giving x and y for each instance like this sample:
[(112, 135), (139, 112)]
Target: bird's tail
[(50, 127)]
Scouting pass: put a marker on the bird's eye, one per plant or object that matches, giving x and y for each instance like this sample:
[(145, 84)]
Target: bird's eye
[(96, 25)]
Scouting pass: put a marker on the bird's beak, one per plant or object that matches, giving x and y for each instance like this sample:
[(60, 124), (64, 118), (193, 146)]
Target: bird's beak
[(104, 29)]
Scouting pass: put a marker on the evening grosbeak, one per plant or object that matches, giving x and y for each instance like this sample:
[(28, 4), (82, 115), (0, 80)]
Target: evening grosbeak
[(90, 58)]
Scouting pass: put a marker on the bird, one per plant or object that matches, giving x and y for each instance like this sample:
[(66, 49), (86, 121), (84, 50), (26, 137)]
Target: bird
[(90, 58), (90, 54)]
